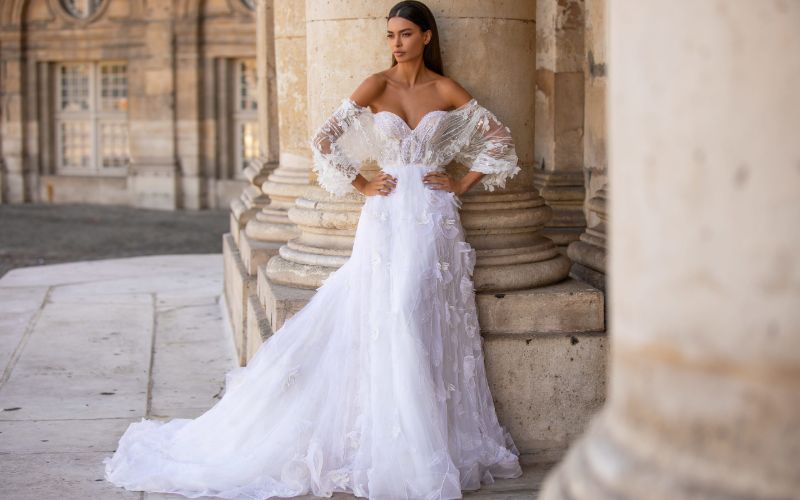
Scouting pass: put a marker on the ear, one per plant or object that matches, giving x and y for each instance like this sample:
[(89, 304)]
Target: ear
[(428, 37)]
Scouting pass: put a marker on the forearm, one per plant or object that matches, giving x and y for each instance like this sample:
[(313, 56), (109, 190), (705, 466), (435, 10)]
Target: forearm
[(359, 182), (469, 180)]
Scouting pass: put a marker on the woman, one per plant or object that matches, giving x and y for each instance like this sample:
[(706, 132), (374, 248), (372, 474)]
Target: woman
[(377, 386)]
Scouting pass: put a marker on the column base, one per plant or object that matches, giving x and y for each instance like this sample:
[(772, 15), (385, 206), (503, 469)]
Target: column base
[(588, 275), (272, 224), (564, 192), (280, 302), (256, 253), (588, 263)]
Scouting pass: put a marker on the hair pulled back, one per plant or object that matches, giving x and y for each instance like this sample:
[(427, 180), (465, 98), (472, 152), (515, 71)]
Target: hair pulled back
[(419, 14)]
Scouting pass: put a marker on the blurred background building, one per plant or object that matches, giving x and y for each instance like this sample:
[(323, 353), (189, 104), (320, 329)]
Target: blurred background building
[(144, 103)]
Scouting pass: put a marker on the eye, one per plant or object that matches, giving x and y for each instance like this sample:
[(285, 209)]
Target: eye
[(406, 35)]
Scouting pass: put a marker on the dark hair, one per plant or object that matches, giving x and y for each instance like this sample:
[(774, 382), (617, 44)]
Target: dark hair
[(419, 14)]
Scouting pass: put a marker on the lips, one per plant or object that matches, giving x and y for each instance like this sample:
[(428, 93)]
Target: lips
[(398, 53)]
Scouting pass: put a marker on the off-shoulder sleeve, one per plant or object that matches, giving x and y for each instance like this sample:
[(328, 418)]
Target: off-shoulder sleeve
[(486, 146), (340, 145)]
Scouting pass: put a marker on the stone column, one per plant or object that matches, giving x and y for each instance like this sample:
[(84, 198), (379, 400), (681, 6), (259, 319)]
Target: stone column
[(588, 254), (15, 186), (271, 227), (705, 369), (187, 109), (504, 226), (560, 115), (247, 318), (153, 174), (252, 199)]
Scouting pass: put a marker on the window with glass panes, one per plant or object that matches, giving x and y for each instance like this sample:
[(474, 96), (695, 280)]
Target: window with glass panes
[(92, 118), (245, 114)]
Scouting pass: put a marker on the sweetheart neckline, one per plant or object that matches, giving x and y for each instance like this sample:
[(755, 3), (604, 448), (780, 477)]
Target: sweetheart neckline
[(426, 115), (412, 130)]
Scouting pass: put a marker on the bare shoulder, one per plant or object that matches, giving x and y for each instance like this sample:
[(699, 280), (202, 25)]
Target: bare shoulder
[(370, 89), (452, 92)]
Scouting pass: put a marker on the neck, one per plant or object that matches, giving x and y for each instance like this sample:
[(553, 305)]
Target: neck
[(411, 72)]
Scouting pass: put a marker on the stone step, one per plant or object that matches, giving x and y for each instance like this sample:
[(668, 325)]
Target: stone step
[(566, 307)]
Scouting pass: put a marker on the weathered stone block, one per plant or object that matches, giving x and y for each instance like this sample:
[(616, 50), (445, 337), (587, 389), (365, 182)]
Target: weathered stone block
[(569, 306), (546, 388)]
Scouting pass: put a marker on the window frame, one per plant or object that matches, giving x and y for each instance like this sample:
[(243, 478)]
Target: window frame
[(241, 117), (95, 116)]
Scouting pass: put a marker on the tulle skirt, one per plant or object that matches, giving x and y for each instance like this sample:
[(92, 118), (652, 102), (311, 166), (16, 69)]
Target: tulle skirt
[(376, 387)]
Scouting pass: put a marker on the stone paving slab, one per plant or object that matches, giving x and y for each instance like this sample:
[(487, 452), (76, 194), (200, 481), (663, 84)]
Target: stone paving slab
[(61, 436), (81, 361), (18, 307), (58, 476)]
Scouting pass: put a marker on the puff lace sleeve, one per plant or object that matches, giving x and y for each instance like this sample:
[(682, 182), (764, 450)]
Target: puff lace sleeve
[(340, 145), (486, 146)]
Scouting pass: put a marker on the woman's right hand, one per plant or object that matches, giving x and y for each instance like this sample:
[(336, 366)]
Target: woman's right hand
[(381, 184)]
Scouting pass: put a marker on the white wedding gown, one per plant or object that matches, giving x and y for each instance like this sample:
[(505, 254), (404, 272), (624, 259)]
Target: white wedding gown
[(377, 386)]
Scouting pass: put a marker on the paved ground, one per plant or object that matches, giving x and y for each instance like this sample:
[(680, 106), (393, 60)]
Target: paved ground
[(36, 234), (88, 347)]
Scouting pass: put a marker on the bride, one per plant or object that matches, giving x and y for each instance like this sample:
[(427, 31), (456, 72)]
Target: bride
[(377, 386)]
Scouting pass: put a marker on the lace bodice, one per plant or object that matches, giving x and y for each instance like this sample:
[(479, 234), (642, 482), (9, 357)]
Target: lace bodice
[(470, 135)]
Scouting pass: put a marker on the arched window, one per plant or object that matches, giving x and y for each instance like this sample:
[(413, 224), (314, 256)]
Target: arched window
[(81, 9)]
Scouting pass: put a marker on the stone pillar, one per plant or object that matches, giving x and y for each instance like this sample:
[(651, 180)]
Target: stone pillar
[(247, 318), (588, 254), (503, 226), (153, 173), (559, 115), (325, 225), (252, 199), (271, 227), (188, 135), (15, 186), (704, 400)]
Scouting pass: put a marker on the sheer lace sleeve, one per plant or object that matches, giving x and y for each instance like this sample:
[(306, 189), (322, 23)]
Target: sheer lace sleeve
[(487, 147), (340, 145)]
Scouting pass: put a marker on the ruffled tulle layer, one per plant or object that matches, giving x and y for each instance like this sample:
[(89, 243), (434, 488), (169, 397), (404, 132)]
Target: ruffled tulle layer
[(376, 387)]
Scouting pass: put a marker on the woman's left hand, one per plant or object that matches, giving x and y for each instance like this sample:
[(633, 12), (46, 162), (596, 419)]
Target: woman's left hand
[(442, 181)]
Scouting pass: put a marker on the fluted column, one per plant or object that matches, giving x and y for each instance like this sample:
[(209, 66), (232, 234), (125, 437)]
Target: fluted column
[(559, 131), (503, 226), (291, 178), (705, 369)]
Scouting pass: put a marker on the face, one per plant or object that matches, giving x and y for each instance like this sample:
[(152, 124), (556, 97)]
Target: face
[(406, 40)]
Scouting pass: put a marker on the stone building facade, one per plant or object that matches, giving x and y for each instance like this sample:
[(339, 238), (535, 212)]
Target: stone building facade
[(141, 102)]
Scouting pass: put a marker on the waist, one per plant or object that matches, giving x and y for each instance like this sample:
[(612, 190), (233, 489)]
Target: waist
[(405, 168)]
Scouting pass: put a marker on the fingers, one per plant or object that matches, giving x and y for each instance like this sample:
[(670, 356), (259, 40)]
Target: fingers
[(437, 180), (386, 183)]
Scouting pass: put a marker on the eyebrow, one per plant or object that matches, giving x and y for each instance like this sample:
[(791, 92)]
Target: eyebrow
[(402, 30)]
